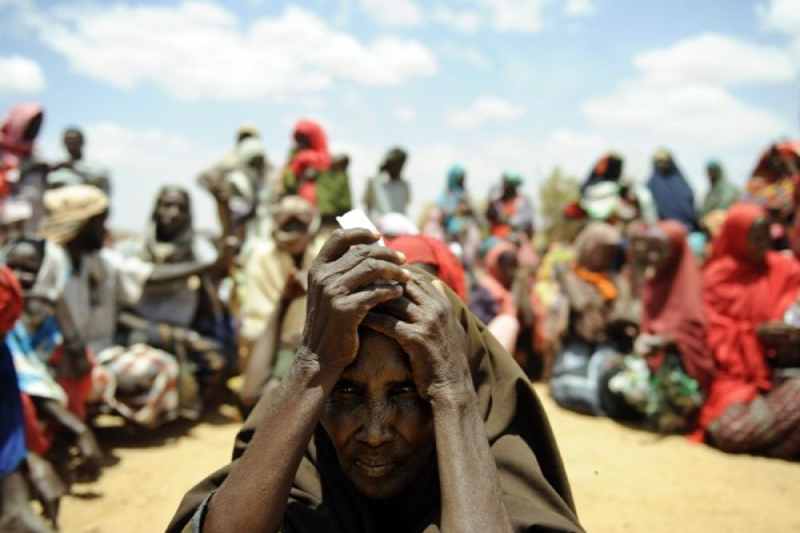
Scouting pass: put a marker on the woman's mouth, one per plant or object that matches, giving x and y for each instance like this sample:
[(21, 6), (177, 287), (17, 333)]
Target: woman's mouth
[(374, 467)]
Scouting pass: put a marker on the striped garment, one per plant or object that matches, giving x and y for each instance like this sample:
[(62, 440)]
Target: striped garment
[(140, 385), (769, 425), (31, 354)]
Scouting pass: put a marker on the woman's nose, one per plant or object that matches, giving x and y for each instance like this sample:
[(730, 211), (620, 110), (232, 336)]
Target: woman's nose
[(377, 428)]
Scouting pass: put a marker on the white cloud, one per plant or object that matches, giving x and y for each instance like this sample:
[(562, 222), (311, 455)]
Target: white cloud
[(782, 16), (393, 12), (681, 99), (200, 50), (141, 161), (405, 113), (485, 109), (516, 15), (717, 59), (696, 112), (465, 20), (466, 54), (579, 8), (20, 75)]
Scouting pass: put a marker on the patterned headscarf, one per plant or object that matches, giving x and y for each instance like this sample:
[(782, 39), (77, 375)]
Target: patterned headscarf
[(68, 209)]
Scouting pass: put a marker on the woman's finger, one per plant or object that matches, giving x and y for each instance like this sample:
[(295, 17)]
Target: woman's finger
[(401, 308), (361, 252), (371, 270), (371, 296), (342, 240), (386, 325), (420, 291)]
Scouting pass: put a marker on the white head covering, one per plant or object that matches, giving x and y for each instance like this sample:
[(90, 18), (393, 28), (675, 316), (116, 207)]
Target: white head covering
[(396, 224)]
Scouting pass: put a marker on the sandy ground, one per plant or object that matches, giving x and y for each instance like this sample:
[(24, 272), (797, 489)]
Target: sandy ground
[(624, 480)]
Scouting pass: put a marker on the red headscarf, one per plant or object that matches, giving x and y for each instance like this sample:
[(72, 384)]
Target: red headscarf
[(13, 141), (316, 157), (430, 251), (10, 299), (491, 279), (738, 298), (13, 130), (672, 304)]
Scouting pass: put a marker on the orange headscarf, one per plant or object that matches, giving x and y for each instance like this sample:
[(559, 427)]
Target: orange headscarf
[(595, 235)]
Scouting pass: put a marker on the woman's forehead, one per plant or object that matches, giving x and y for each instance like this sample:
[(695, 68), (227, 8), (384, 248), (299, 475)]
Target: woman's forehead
[(379, 357)]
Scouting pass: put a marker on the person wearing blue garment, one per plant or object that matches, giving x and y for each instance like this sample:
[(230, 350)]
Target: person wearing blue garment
[(673, 195), (15, 510)]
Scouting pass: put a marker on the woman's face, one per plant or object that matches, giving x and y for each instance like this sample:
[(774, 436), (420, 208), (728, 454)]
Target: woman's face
[(381, 428), (650, 254), (758, 241), (172, 213), (602, 257), (507, 266)]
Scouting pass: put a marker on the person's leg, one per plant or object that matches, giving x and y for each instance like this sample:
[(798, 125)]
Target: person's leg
[(146, 381), (763, 425), (571, 386), (16, 515)]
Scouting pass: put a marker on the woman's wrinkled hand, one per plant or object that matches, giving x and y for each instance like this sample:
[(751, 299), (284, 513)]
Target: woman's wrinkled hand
[(349, 277), (425, 326)]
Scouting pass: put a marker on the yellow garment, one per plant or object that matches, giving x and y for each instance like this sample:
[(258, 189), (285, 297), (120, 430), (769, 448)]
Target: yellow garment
[(600, 281), (266, 273), (68, 209)]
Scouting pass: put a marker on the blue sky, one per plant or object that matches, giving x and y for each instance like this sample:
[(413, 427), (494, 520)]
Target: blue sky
[(160, 87)]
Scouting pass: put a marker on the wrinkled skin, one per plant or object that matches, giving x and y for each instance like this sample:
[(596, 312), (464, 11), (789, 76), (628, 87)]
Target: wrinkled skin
[(377, 398), (381, 428)]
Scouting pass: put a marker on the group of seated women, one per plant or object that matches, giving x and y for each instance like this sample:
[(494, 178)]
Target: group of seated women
[(654, 337)]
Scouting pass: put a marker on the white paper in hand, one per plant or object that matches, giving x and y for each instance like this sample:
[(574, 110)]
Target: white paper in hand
[(356, 219)]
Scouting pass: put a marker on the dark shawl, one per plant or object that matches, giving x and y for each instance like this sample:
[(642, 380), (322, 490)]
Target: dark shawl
[(535, 489), (673, 197)]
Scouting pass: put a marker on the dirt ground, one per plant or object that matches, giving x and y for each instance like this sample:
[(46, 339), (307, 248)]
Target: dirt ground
[(624, 480)]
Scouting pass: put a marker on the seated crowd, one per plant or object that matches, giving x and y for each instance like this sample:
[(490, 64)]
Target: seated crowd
[(386, 376)]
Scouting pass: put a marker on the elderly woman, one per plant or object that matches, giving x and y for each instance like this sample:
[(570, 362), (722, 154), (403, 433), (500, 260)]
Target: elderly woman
[(593, 340), (667, 377), (753, 404), (400, 414)]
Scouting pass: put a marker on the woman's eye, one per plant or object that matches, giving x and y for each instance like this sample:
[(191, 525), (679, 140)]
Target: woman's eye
[(346, 389), (405, 390)]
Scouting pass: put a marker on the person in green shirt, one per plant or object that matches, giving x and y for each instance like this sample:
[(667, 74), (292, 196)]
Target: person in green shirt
[(722, 193)]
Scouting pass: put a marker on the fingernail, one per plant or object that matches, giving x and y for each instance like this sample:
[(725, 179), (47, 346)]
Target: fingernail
[(376, 234), (407, 273), (401, 256)]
